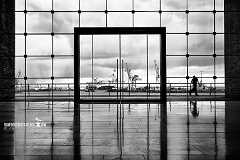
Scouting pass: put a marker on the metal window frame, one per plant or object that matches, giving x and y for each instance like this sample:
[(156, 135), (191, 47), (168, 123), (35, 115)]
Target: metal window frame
[(118, 31), (160, 9)]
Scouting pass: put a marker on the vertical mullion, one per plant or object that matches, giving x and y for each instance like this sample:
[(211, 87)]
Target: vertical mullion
[(52, 79), (120, 66), (52, 29), (160, 12), (117, 98), (147, 67), (160, 52), (122, 76), (25, 50), (120, 90), (106, 13), (148, 141), (92, 66), (120, 87), (133, 12), (214, 52), (160, 40), (214, 46), (117, 78), (25, 71), (79, 14), (214, 58), (78, 52), (187, 48), (187, 52), (92, 90)]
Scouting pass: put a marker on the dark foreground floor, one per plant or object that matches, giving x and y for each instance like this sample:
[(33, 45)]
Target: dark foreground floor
[(181, 130)]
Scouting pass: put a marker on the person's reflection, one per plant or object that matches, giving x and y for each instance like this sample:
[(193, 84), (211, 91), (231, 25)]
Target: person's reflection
[(194, 109), (129, 107)]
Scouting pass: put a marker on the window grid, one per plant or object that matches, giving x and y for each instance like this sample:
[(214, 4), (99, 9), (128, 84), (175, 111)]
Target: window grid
[(133, 12)]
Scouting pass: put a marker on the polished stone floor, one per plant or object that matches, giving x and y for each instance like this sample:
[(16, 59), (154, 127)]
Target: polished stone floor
[(177, 130)]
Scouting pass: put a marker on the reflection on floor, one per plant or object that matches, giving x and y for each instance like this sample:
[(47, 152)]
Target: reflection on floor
[(177, 130)]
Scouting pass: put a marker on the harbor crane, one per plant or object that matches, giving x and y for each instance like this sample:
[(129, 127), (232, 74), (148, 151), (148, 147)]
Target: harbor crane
[(128, 70), (114, 76), (132, 78)]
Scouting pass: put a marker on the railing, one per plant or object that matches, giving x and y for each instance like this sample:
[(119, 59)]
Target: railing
[(112, 89)]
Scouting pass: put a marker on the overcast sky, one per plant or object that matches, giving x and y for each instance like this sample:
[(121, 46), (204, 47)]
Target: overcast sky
[(106, 48)]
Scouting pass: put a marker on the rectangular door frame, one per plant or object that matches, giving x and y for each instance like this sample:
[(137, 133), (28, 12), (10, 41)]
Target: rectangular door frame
[(78, 31)]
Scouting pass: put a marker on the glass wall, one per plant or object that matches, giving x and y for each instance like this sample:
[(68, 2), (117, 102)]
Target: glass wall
[(44, 42)]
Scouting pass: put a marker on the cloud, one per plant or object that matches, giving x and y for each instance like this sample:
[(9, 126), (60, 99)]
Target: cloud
[(192, 5), (39, 67), (204, 44), (39, 5), (174, 4)]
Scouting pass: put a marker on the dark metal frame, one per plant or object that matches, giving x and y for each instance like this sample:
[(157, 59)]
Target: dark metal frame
[(159, 10), (118, 31)]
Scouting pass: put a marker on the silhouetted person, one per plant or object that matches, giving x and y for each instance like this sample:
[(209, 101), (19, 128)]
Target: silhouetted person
[(194, 86), (194, 109)]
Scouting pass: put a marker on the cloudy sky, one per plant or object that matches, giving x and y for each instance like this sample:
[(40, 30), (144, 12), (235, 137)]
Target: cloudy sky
[(106, 48)]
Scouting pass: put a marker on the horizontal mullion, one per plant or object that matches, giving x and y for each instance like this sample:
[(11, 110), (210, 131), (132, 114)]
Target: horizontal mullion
[(44, 56), (199, 55), (71, 33), (182, 77), (129, 11)]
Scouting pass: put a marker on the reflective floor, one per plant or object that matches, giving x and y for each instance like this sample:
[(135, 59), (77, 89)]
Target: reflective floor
[(174, 131)]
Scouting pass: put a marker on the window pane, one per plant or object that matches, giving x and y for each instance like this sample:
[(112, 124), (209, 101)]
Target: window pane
[(63, 67), (149, 5), (63, 45), (19, 5), (201, 44), (93, 20), (39, 5), (19, 45), (92, 4), (39, 45), (174, 48), (219, 22), (198, 65), (175, 22), (120, 19), (120, 5), (61, 5), (201, 5), (19, 22), (38, 22), (65, 22), (38, 67), (176, 66), (147, 20), (201, 22), (173, 5)]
